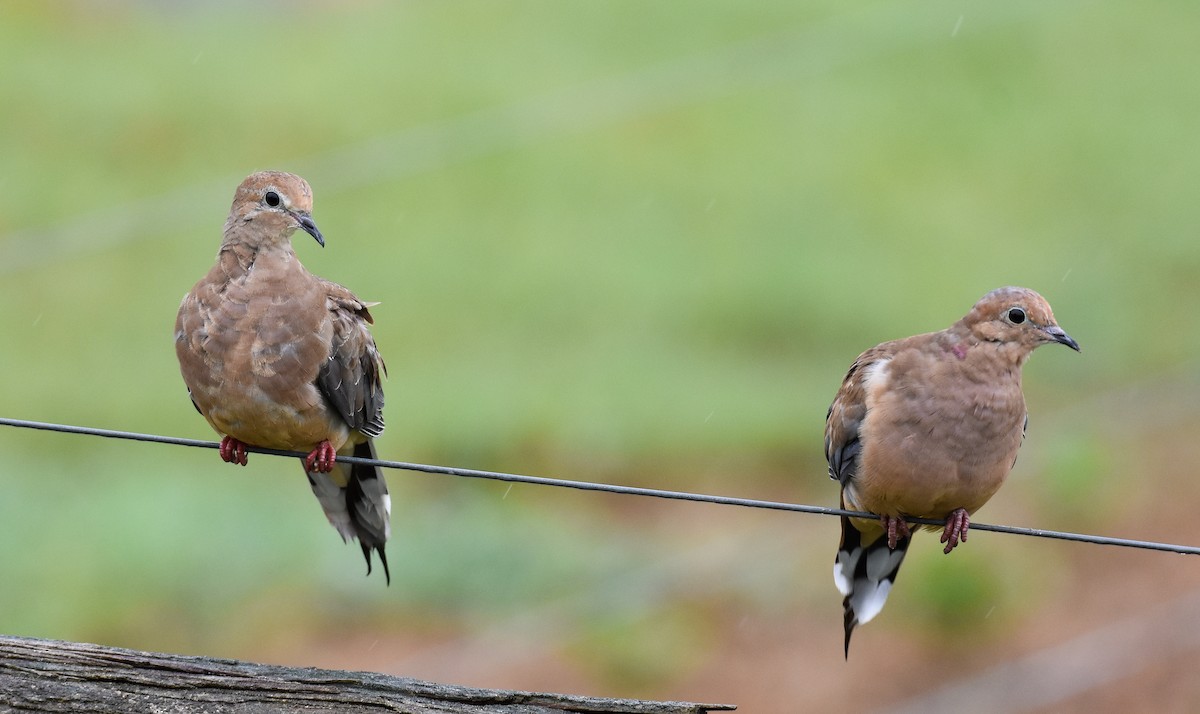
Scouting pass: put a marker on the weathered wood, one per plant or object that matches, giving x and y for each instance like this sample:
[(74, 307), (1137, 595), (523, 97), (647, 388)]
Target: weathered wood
[(53, 676)]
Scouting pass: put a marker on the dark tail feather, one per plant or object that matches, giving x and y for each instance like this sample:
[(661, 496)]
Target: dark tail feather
[(369, 506), (360, 507), (382, 559), (864, 572)]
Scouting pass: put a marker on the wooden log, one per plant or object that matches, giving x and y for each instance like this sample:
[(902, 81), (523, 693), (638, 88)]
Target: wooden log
[(53, 676)]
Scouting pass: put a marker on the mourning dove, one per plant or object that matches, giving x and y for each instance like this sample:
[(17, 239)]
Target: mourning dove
[(276, 357), (928, 427)]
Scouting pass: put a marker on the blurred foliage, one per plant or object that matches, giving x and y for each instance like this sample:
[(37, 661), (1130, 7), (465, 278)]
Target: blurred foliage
[(619, 241), (1084, 464), (642, 648), (955, 599)]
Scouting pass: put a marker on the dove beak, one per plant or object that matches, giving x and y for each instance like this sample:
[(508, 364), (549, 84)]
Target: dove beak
[(306, 222), (1056, 334)]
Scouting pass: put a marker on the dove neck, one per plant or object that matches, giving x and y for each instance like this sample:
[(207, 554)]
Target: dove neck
[(975, 342), (238, 254)]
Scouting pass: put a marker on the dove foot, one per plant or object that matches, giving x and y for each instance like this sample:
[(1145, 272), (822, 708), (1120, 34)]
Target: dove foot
[(233, 451), (896, 529), (321, 458), (957, 524)]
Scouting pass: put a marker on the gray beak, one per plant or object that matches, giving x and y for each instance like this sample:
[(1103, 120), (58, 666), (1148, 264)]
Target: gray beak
[(309, 227), (1057, 334)]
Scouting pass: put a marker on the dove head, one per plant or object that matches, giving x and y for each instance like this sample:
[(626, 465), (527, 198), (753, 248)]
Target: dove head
[(1018, 319), (272, 204)]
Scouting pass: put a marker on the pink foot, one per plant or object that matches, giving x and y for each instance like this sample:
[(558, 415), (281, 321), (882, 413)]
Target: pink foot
[(957, 524), (896, 529), (321, 459), (233, 451)]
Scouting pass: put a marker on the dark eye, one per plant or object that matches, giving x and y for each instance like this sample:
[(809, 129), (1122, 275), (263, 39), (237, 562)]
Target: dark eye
[(272, 199), (1016, 315)]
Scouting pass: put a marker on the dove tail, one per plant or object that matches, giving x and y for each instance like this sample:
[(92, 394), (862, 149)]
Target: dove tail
[(370, 507), (864, 573), (356, 502)]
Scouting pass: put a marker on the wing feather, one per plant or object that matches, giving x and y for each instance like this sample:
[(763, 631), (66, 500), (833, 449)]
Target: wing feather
[(351, 379)]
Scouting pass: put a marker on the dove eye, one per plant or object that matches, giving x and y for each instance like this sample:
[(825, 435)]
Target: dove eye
[(272, 199), (1016, 315)]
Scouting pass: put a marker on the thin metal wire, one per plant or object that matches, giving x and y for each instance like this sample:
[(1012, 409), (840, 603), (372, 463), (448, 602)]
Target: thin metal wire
[(604, 487)]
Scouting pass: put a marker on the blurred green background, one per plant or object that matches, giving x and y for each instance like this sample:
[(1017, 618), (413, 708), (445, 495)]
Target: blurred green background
[(623, 241)]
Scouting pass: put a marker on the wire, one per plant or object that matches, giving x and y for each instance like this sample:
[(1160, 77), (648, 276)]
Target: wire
[(605, 487)]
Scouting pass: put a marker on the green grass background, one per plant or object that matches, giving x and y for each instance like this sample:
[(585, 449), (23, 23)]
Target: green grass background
[(622, 241)]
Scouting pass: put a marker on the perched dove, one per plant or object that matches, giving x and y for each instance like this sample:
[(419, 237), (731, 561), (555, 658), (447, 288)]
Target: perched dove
[(928, 427), (275, 357)]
